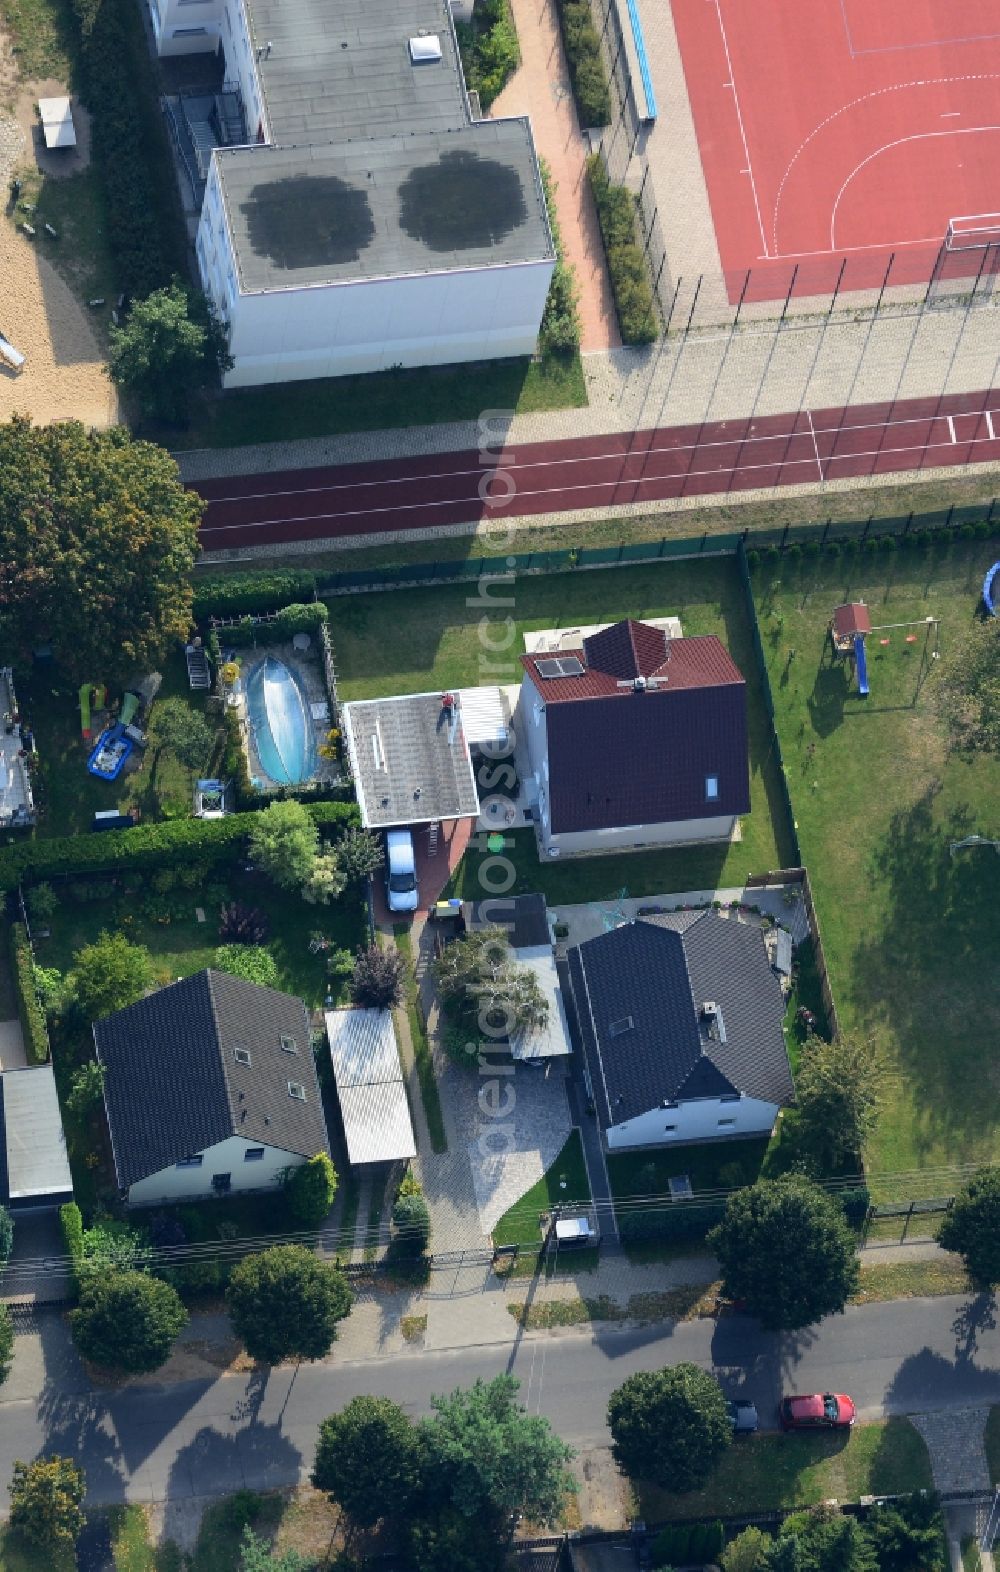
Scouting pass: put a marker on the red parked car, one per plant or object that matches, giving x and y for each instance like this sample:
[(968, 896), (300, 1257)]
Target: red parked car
[(818, 1411)]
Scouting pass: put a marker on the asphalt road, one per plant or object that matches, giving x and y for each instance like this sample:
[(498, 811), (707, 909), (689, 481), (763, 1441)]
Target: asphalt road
[(258, 1431)]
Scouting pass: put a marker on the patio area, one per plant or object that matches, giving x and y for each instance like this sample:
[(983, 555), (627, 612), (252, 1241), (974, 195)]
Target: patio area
[(782, 902)]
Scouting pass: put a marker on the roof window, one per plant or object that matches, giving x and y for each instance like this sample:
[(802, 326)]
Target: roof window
[(242, 1055), (618, 1027), (712, 788), (425, 48), (289, 1045), (297, 1090)]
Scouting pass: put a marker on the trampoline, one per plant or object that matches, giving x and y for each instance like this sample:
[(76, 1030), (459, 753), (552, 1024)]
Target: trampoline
[(989, 585)]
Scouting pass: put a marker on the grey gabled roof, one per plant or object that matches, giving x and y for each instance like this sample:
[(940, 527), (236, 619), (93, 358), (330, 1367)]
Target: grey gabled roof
[(657, 973), (173, 1086)]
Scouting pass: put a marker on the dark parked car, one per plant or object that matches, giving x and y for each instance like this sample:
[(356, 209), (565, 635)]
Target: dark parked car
[(742, 1416), (818, 1411)]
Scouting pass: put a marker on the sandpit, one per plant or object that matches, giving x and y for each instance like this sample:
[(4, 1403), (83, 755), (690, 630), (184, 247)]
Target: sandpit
[(64, 375)]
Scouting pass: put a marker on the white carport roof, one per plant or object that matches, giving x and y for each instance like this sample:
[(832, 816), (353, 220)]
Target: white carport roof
[(551, 1040), (37, 1162), (373, 1103), (485, 717)]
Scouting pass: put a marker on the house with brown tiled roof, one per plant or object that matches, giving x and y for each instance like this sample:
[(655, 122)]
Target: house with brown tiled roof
[(634, 740)]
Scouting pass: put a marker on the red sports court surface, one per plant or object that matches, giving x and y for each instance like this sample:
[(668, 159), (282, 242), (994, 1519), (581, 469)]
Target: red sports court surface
[(842, 128)]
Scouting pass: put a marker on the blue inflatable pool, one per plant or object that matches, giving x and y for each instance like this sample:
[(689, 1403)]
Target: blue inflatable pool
[(108, 758), (989, 585)]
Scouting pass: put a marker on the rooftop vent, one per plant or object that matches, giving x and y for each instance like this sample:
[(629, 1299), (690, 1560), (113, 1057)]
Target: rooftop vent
[(560, 666), (241, 1055), (618, 1027), (425, 48), (711, 1014)]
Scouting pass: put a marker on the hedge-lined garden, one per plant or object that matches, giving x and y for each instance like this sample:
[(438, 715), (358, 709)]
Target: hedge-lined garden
[(586, 67), (627, 268), (489, 48), (560, 329)]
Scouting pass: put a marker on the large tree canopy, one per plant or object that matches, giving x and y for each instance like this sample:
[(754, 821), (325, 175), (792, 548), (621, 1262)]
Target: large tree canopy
[(171, 346), (786, 1250), (367, 1459), (972, 1227), (669, 1426), (97, 543)]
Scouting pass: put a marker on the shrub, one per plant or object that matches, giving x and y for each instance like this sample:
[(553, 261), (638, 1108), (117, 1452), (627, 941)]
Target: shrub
[(127, 1321), (310, 1189), (296, 618), (377, 983), (250, 961), (30, 1012), (242, 924), (560, 329), (680, 1224), (627, 270), (586, 68), (42, 902), (46, 1499), (411, 1228), (71, 1225), (489, 48)]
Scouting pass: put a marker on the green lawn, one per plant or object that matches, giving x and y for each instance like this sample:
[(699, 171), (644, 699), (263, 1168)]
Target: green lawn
[(770, 1472), (43, 34), (386, 399), (427, 639), (565, 1183), (68, 794), (74, 207), (909, 932), (183, 945), (724, 1165), (993, 1443)]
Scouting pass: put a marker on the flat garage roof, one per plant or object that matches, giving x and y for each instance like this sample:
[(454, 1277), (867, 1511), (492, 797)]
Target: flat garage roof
[(34, 1141), (410, 761), (550, 1041), (373, 1103)]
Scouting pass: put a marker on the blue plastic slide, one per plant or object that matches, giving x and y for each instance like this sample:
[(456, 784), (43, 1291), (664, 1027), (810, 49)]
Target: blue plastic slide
[(859, 656)]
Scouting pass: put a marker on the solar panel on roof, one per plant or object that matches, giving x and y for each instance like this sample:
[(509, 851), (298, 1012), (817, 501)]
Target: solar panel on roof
[(561, 666)]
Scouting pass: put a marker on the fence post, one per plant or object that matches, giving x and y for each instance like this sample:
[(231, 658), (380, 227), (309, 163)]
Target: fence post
[(864, 533), (784, 537), (826, 531), (906, 1225), (909, 521)]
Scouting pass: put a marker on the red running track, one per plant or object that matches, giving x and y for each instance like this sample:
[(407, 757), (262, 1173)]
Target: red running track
[(808, 448)]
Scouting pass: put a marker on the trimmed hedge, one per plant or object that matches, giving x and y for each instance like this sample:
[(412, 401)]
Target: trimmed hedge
[(33, 1028), (560, 329), (129, 145), (489, 49), (674, 1224), (202, 842), (627, 269), (288, 621), (586, 67), (71, 1224), (237, 594)]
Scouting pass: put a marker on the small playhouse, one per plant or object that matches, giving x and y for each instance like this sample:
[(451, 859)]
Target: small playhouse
[(850, 625)]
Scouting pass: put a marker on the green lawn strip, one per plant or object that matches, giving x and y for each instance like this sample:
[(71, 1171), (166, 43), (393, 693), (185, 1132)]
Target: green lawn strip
[(670, 1304), (725, 1165), (384, 400), (768, 1472), (911, 1279), (423, 1058), (44, 38), (74, 208), (432, 639), (184, 945), (69, 795), (878, 798), (993, 1443), (685, 523), (218, 1546), (130, 1546), (972, 1561), (563, 1184)]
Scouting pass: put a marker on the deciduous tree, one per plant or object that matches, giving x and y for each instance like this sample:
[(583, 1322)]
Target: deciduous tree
[(86, 1088), (359, 852), (97, 542), (184, 730), (972, 1227), (837, 1088), (310, 1189), (786, 1250), (252, 962), (484, 990), (6, 1342), (367, 1460), (285, 1304), (109, 974), (748, 1552), (283, 843), (127, 1321), (46, 1503), (170, 346), (669, 1426)]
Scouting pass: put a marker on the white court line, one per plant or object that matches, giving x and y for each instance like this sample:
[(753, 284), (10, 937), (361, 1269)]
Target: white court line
[(780, 465), (577, 459), (917, 136), (812, 432), (989, 424), (951, 427), (739, 117)]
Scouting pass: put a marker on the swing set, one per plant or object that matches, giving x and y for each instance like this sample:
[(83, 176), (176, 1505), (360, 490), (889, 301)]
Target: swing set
[(851, 624)]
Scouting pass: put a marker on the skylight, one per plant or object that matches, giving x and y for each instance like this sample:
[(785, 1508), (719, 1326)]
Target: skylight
[(425, 48), (241, 1055)]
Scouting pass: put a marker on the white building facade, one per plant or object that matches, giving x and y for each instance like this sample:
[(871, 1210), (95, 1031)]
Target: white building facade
[(368, 223), (231, 1167)]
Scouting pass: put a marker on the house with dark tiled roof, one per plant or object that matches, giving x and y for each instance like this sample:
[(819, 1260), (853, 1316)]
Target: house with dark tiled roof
[(680, 1017), (210, 1089), (634, 740)]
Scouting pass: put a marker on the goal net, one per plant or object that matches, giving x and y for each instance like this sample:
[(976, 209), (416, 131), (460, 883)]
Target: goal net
[(974, 232)]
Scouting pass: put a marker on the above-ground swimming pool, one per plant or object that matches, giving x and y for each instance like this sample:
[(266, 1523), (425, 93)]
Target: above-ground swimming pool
[(278, 711)]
